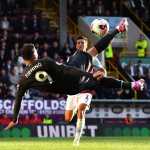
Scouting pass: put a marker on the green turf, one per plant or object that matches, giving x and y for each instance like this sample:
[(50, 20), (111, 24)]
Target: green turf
[(107, 143)]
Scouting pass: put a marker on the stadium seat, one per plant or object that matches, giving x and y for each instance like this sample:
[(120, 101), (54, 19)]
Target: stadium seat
[(145, 132), (126, 131), (6, 133), (108, 132), (136, 131), (15, 132), (117, 132), (25, 132)]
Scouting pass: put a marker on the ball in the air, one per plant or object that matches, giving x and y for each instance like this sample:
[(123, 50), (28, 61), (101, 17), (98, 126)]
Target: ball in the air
[(100, 27)]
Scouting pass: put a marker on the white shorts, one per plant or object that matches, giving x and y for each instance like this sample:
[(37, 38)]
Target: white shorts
[(73, 101)]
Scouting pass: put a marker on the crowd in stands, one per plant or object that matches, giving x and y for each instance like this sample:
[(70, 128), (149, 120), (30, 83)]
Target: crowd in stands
[(140, 8), (92, 8)]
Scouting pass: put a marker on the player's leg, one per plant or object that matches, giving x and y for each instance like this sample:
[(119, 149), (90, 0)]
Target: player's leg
[(70, 107), (83, 103), (80, 123), (109, 82), (68, 115)]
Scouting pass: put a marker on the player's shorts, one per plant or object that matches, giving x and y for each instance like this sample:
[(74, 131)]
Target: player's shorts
[(73, 101)]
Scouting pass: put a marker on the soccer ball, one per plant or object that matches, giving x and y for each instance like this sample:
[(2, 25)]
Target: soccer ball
[(100, 27)]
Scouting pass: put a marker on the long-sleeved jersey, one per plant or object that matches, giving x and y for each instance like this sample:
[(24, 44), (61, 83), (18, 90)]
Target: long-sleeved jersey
[(47, 75)]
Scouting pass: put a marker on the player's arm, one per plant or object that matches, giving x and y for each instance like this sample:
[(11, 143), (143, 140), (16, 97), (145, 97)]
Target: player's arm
[(99, 70), (66, 69), (104, 42), (20, 92)]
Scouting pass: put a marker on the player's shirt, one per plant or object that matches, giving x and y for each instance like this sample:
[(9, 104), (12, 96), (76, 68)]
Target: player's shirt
[(47, 75), (81, 60)]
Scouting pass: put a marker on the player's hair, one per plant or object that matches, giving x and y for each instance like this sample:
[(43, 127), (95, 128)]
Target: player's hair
[(28, 50), (82, 38)]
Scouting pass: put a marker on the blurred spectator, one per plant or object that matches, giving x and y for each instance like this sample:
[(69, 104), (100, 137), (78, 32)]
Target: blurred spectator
[(130, 68), (46, 50), (11, 92), (99, 8), (45, 54), (109, 52), (26, 120), (8, 65), (140, 70), (13, 76), (11, 4), (70, 41), (44, 22), (5, 24), (107, 12), (36, 119), (65, 52), (115, 8), (34, 23), (128, 120), (36, 38), (20, 65), (4, 77), (4, 84), (5, 120), (23, 24), (54, 50), (47, 120), (89, 4), (141, 46)]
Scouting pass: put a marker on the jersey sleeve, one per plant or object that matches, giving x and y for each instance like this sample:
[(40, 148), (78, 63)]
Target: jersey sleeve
[(79, 60), (21, 89), (66, 69)]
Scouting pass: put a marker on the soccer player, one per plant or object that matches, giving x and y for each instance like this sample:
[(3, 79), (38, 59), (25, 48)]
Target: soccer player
[(80, 103), (83, 59)]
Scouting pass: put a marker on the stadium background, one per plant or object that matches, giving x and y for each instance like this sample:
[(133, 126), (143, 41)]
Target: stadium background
[(53, 25)]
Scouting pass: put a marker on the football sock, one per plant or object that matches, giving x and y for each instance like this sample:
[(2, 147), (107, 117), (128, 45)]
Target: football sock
[(79, 129)]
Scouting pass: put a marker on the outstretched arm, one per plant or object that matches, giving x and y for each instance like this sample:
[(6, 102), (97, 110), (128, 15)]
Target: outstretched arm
[(104, 42), (17, 105)]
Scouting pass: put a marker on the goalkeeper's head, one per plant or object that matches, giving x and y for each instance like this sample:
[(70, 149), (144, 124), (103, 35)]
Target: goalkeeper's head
[(29, 53)]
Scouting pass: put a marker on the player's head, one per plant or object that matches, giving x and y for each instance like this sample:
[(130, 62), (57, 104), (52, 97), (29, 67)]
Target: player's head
[(29, 52), (82, 43)]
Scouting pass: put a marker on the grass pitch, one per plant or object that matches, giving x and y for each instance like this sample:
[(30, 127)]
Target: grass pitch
[(102, 143)]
